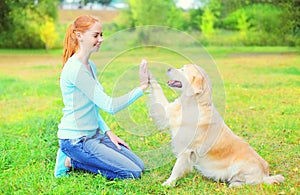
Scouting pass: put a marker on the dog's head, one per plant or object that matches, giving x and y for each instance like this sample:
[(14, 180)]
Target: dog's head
[(191, 79)]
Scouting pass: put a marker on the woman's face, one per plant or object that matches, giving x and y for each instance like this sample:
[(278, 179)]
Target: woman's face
[(91, 39)]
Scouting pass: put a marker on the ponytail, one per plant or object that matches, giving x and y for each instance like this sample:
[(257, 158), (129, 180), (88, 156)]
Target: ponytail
[(81, 24), (70, 43)]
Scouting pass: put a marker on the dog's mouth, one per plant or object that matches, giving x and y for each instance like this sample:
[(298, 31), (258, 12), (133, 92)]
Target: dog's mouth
[(175, 83)]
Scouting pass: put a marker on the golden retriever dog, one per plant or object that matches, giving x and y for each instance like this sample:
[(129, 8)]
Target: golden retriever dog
[(200, 138)]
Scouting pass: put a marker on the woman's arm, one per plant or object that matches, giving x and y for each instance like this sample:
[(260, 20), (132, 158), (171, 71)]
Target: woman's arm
[(94, 91)]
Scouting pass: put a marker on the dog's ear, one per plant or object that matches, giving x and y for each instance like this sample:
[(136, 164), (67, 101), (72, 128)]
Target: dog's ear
[(196, 86)]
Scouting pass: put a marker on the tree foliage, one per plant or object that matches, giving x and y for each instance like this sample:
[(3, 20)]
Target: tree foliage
[(144, 12), (21, 22), (207, 24), (259, 22), (264, 24), (243, 25), (249, 22), (5, 9), (48, 33), (195, 18), (155, 12)]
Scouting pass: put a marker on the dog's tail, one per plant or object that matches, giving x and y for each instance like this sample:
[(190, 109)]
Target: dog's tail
[(275, 179)]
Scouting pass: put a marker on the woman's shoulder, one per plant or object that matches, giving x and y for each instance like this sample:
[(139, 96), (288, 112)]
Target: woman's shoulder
[(72, 62), (71, 67)]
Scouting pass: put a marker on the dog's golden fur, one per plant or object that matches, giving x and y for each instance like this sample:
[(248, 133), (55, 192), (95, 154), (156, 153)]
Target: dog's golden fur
[(200, 138)]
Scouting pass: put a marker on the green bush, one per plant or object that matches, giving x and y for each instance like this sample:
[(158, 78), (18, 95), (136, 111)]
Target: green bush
[(261, 17), (154, 12), (26, 32), (260, 24), (195, 18), (48, 33), (20, 26), (207, 23), (176, 19)]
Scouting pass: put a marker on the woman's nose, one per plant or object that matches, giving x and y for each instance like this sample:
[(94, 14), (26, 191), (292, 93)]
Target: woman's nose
[(100, 39)]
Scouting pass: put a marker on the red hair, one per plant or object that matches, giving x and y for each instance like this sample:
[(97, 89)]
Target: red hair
[(81, 24)]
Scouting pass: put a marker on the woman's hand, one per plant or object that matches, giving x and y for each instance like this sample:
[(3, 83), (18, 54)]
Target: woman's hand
[(116, 140), (144, 75)]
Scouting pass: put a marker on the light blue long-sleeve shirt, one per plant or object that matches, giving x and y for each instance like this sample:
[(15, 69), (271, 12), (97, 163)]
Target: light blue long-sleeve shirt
[(83, 96)]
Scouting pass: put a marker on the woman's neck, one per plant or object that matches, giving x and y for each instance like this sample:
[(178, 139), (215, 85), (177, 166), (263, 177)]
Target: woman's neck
[(83, 58)]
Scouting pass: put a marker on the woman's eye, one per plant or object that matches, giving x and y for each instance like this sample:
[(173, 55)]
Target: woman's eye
[(100, 34), (96, 35)]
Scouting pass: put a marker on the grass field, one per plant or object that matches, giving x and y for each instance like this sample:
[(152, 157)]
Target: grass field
[(262, 88)]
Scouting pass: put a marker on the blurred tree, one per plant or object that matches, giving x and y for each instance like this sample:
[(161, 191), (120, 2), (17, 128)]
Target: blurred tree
[(207, 24), (154, 12), (212, 12), (48, 33), (144, 12), (21, 21), (4, 19), (290, 21), (195, 18), (271, 21), (243, 25), (264, 24), (176, 19)]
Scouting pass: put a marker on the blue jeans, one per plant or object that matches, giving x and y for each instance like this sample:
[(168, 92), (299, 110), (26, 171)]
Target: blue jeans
[(100, 156)]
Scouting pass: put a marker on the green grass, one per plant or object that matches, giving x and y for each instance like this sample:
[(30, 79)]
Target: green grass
[(262, 106)]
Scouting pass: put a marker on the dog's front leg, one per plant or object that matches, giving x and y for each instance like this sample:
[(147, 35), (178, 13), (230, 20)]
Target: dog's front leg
[(182, 166), (158, 105), (157, 94)]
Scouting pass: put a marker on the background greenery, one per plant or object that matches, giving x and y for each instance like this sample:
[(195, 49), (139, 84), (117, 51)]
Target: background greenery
[(261, 84), (36, 24)]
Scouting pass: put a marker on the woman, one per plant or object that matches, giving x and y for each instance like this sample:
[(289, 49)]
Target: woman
[(85, 140)]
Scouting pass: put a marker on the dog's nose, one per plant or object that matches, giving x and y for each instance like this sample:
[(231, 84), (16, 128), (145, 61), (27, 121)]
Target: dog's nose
[(169, 69)]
